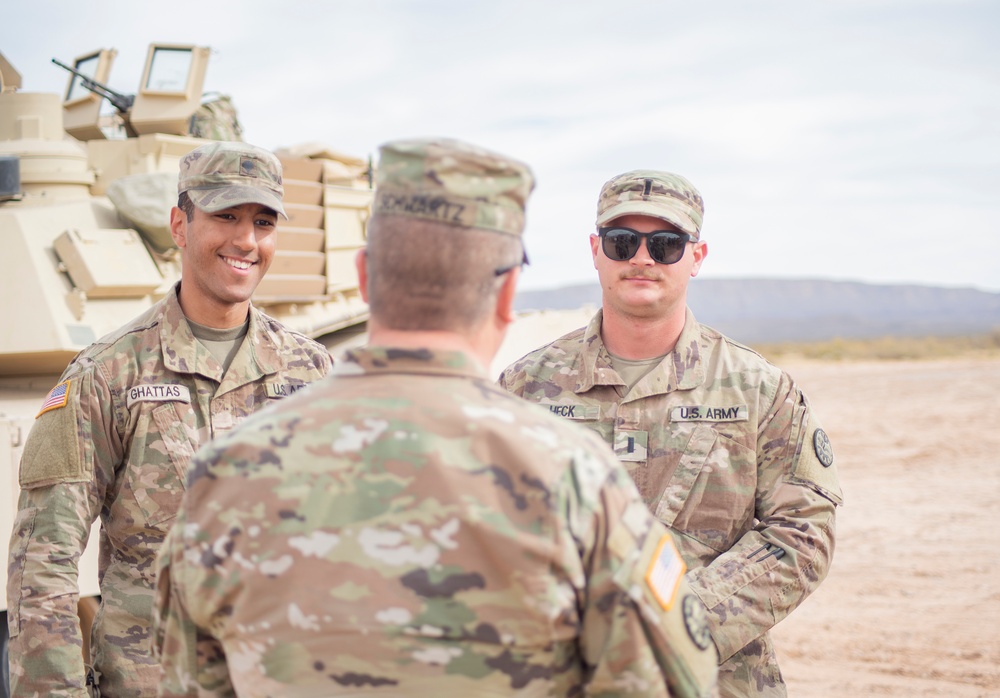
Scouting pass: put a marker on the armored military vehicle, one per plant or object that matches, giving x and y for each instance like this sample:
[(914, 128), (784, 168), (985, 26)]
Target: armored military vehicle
[(85, 195)]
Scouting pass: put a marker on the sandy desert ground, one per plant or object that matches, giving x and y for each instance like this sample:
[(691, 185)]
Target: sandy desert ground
[(912, 604)]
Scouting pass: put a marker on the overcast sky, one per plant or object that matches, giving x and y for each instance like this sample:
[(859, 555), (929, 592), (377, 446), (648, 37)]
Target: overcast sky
[(836, 139)]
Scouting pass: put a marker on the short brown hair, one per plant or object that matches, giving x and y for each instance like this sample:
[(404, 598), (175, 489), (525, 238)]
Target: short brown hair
[(185, 204), (424, 275)]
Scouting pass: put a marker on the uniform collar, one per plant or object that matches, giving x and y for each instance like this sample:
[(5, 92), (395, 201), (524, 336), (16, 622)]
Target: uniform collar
[(681, 369), (593, 364), (183, 353), (371, 360)]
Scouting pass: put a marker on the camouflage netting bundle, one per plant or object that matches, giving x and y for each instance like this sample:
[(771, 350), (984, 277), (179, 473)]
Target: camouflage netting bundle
[(145, 200), (217, 120)]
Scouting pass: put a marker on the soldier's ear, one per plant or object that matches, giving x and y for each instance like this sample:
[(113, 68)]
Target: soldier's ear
[(361, 264), (505, 298), (700, 251), (178, 227)]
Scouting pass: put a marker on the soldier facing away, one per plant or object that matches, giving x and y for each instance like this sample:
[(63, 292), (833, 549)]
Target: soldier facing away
[(724, 446), (408, 528), (115, 437)]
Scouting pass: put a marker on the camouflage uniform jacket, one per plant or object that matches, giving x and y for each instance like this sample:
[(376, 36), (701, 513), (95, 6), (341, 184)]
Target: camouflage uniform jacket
[(138, 403), (727, 452), (407, 528)]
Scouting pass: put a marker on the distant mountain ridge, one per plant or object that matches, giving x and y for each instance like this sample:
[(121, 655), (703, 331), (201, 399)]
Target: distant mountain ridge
[(791, 310)]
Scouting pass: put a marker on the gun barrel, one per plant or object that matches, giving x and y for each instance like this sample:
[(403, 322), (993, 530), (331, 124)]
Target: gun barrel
[(119, 101)]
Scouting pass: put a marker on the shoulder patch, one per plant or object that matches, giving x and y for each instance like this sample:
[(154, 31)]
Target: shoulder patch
[(696, 621), (814, 464), (57, 397), (823, 448), (54, 449), (665, 572)]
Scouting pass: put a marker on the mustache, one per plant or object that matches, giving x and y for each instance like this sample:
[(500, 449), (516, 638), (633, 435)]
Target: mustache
[(648, 275)]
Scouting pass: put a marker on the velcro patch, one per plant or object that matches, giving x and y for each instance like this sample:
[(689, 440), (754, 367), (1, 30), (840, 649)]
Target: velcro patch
[(709, 413), (814, 463), (585, 412), (434, 207), (631, 446), (665, 572), (57, 397), (696, 621), (823, 448), (276, 390), (157, 393)]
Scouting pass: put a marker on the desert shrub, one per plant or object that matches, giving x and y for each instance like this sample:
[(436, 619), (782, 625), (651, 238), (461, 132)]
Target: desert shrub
[(888, 348)]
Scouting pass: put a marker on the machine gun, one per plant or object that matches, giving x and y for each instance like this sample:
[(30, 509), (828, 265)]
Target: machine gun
[(119, 101)]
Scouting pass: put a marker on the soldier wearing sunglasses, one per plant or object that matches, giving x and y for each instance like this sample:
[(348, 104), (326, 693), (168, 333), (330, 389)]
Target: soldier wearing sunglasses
[(725, 448)]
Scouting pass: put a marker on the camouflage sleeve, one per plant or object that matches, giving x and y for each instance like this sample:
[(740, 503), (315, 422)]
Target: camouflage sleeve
[(59, 500), (50, 533), (644, 632), (320, 357), (774, 567), (504, 381), (512, 379), (192, 662)]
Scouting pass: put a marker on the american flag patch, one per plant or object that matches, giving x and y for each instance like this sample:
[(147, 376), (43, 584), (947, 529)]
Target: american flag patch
[(56, 398), (665, 572)]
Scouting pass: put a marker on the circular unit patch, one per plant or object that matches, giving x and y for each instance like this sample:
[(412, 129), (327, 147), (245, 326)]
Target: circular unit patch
[(696, 622), (823, 448)]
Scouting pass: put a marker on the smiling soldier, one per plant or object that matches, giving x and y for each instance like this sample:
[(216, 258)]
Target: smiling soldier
[(113, 439)]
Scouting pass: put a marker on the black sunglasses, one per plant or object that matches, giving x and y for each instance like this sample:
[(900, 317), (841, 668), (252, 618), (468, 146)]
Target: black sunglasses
[(664, 246)]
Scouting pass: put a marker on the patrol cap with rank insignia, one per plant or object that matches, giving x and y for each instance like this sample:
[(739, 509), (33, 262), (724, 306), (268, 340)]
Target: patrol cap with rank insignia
[(452, 182), (662, 195), (217, 176)]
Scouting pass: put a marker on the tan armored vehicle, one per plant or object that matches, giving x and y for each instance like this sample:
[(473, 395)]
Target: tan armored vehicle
[(84, 210)]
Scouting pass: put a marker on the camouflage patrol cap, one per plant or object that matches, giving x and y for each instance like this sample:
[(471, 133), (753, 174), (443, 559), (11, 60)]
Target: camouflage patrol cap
[(229, 173), (452, 182), (662, 195)]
